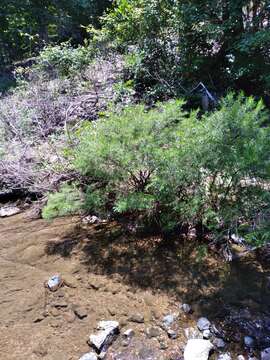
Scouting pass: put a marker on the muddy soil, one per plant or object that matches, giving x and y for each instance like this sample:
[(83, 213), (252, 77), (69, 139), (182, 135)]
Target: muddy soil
[(108, 276)]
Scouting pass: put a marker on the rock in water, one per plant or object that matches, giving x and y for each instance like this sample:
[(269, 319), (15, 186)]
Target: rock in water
[(249, 341), (203, 324), (225, 356), (106, 335), (89, 356), (265, 354), (197, 349)]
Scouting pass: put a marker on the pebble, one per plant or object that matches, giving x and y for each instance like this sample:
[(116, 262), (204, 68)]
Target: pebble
[(137, 318), (172, 334), (206, 334), (129, 333), (186, 308), (80, 312), (203, 324), (240, 357), (152, 332), (69, 316), (219, 343), (192, 333), (54, 282), (168, 320)]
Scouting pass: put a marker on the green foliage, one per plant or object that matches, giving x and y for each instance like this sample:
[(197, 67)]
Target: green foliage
[(65, 202), (25, 26), (63, 59), (172, 168), (225, 44)]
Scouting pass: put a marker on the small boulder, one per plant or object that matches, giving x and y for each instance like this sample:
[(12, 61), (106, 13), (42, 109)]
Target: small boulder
[(203, 324), (265, 354), (153, 332), (197, 349), (89, 356)]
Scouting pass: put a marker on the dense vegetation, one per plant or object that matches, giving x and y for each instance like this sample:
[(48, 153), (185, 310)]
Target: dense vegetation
[(96, 121)]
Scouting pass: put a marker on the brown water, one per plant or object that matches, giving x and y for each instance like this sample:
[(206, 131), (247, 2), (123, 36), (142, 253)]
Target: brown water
[(114, 276)]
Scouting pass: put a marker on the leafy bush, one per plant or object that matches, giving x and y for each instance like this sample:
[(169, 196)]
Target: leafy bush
[(63, 59), (177, 43), (67, 201), (169, 167)]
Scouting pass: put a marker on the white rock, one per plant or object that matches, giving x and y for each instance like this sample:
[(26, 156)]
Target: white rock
[(55, 282), (106, 334), (89, 356), (197, 349), (9, 211), (240, 357), (206, 334), (203, 324), (225, 356), (129, 333)]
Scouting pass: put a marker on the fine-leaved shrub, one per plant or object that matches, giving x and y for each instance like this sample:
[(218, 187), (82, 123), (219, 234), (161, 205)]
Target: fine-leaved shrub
[(169, 167)]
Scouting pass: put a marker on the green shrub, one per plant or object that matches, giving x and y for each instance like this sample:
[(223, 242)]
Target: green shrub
[(170, 167), (67, 201), (63, 59)]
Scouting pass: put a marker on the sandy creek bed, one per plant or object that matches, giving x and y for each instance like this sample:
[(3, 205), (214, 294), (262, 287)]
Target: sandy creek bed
[(110, 276)]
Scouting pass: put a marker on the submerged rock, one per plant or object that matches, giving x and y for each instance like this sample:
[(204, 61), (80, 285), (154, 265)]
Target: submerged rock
[(186, 308), (219, 343), (249, 341), (197, 349), (265, 354), (106, 335), (203, 324), (225, 356)]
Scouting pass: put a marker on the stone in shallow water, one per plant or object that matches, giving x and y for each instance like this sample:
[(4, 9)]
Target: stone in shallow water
[(197, 349), (203, 324), (249, 341), (186, 308), (265, 354), (89, 356), (219, 343), (106, 335), (225, 356)]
